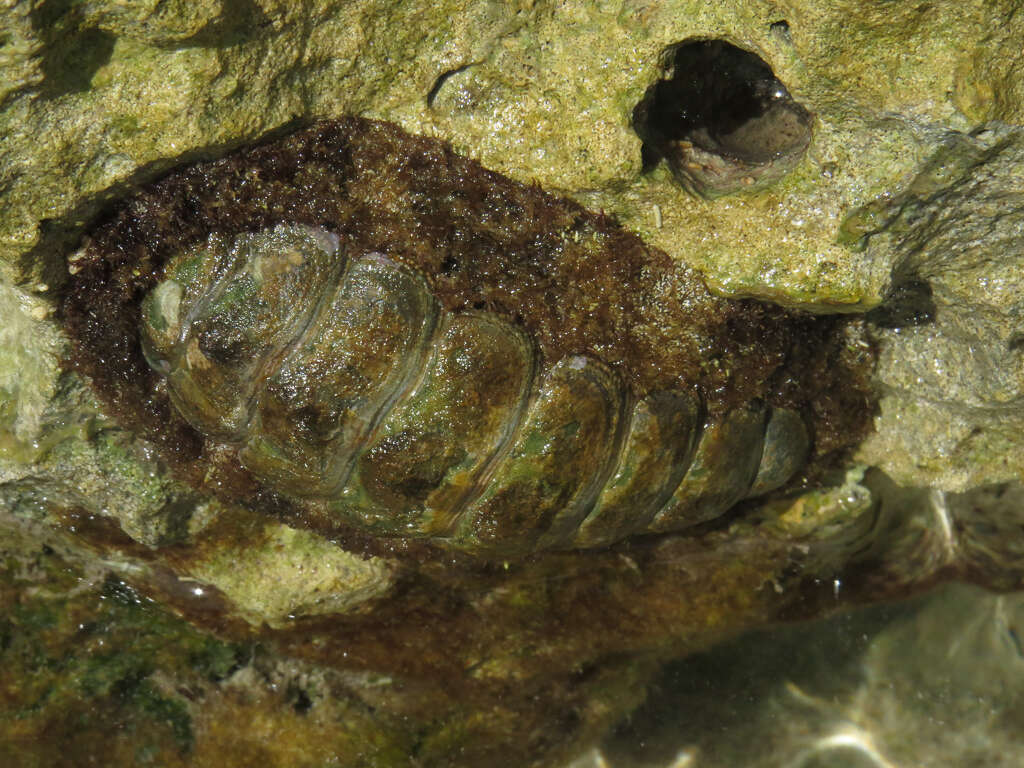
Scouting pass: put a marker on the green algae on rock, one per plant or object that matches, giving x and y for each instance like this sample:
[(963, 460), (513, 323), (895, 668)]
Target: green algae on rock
[(297, 292), (95, 671)]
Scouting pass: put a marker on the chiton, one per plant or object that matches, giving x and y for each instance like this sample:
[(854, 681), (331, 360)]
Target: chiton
[(362, 329)]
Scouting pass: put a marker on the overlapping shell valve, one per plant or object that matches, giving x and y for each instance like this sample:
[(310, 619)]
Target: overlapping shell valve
[(342, 381)]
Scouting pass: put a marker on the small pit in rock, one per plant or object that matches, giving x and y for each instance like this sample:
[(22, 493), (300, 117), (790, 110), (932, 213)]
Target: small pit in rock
[(721, 120)]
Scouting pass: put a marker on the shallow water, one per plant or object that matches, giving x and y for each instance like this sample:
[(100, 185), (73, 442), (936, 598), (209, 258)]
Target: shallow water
[(936, 681)]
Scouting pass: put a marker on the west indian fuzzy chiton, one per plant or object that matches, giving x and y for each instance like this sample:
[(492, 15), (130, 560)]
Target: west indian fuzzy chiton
[(363, 331)]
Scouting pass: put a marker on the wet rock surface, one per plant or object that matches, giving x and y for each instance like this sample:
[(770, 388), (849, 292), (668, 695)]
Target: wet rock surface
[(231, 630), (950, 366)]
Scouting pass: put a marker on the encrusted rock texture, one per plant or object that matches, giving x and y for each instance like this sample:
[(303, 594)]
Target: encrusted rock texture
[(146, 623)]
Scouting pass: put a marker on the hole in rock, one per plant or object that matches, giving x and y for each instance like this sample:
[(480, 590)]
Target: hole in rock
[(908, 302), (721, 120)]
